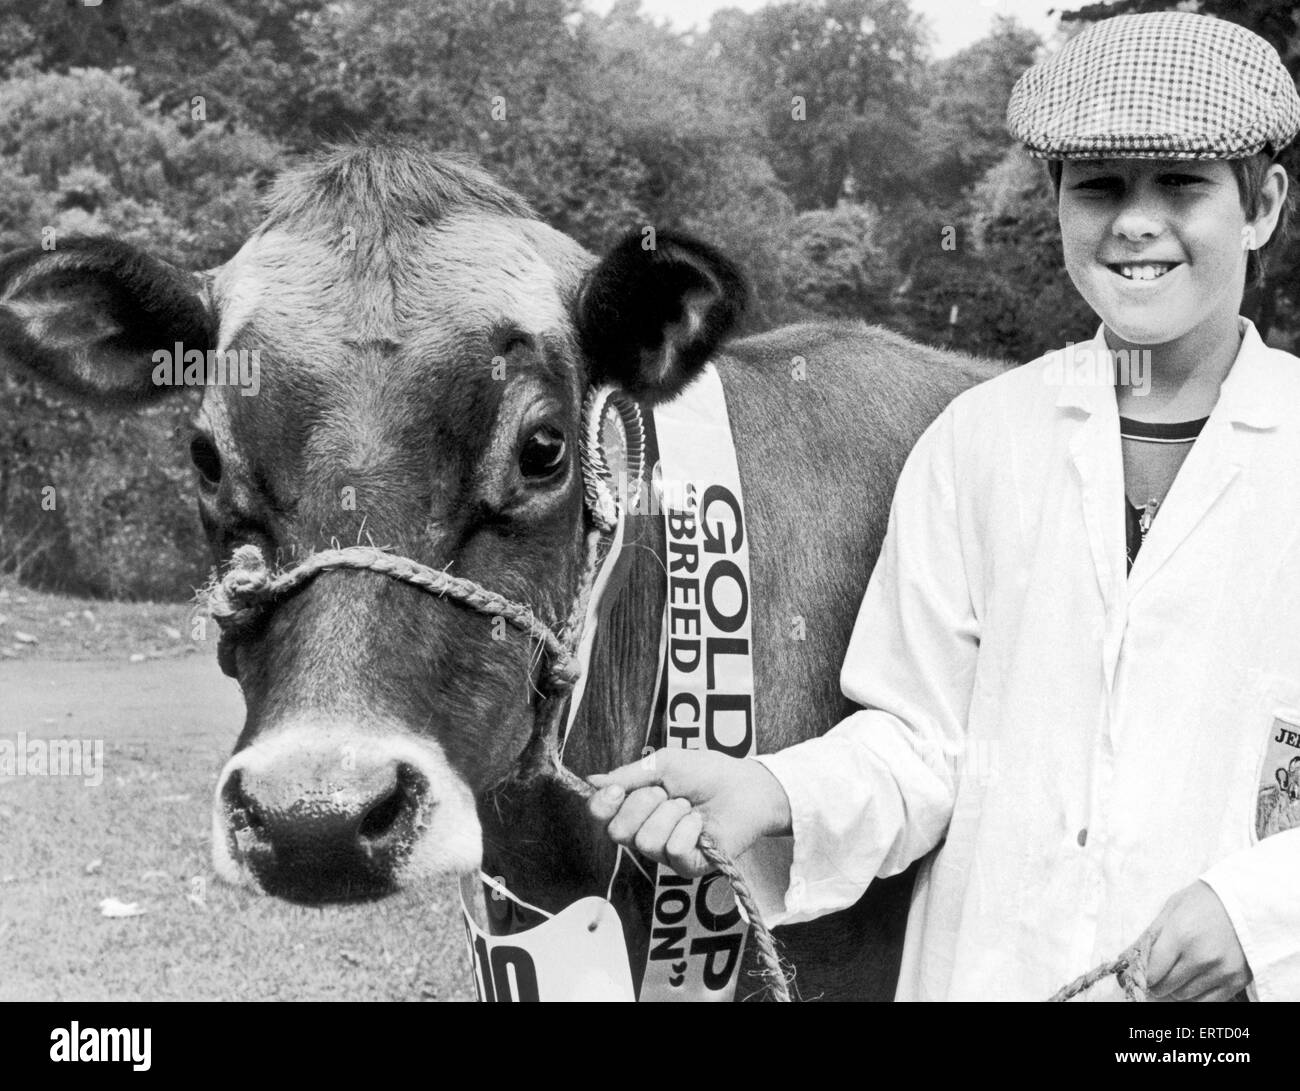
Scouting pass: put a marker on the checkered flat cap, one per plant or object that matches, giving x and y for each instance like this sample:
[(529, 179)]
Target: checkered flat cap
[(1165, 85)]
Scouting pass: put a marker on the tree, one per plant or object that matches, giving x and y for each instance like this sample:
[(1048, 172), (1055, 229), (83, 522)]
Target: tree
[(246, 60), (80, 153), (838, 81), (964, 125), (683, 118), (833, 264)]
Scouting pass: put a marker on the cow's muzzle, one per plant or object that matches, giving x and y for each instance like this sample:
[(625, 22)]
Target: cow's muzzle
[(315, 815)]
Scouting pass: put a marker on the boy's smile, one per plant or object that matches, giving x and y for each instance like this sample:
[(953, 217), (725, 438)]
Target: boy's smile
[(1154, 246), (1143, 271)]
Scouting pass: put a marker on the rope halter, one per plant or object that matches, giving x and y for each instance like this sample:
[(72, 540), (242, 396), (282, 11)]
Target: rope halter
[(239, 599), (248, 590)]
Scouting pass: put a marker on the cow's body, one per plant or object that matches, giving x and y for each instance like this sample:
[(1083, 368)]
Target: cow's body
[(381, 721)]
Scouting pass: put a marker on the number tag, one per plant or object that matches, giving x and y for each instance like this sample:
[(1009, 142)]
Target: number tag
[(562, 959)]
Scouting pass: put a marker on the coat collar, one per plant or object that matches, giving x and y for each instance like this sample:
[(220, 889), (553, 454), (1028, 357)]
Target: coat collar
[(1252, 392), (1253, 396), (1250, 395)]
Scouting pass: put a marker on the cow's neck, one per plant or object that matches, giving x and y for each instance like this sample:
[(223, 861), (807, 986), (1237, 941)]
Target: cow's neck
[(540, 838)]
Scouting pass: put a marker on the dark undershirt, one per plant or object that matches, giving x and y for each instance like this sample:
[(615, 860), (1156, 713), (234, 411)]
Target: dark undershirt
[(1153, 454)]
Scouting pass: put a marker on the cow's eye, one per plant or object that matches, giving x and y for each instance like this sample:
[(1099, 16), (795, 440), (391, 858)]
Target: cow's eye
[(543, 453), (203, 453)]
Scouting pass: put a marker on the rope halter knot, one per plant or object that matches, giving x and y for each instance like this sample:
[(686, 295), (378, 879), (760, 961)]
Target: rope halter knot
[(242, 590)]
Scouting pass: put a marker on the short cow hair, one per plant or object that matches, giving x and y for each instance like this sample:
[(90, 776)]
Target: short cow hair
[(385, 193), (1250, 173)]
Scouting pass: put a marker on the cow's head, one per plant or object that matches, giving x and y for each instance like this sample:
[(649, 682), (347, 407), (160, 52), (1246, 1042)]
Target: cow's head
[(419, 345)]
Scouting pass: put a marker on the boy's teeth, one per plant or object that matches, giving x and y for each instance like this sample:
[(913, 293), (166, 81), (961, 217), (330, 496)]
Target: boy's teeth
[(1144, 272)]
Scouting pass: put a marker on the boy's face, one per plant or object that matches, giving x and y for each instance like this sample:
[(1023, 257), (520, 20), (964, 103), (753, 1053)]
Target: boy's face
[(1154, 246)]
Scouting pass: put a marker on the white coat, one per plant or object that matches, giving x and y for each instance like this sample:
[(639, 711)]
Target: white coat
[(1077, 744)]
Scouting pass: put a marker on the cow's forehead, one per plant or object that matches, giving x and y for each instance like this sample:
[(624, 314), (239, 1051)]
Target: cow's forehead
[(362, 350), (313, 294), (282, 283), (479, 271)]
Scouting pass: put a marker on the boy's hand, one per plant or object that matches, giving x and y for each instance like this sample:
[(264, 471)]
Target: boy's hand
[(660, 804), (1195, 954)]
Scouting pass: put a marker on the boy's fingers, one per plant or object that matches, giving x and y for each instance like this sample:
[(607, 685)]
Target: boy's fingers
[(1195, 995), (1205, 983), (1218, 995), (605, 803), (682, 851), (1172, 981), (637, 807), (637, 774), (1186, 990), (1162, 959), (652, 837)]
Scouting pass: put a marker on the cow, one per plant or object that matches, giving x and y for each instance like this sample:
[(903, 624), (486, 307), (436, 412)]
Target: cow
[(424, 345)]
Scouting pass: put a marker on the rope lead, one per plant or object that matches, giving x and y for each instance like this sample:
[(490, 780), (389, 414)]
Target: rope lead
[(1130, 969)]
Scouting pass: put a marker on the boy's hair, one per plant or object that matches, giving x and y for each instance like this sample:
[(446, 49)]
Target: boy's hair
[(1250, 173)]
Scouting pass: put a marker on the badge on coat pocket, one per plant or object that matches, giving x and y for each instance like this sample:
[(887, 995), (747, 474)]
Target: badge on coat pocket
[(1278, 808)]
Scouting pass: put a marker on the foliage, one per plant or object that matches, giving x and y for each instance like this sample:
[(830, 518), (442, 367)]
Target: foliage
[(964, 130), (245, 57), (855, 67), (80, 153), (833, 263)]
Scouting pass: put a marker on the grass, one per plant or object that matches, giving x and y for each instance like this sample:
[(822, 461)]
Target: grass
[(38, 626), (168, 721)]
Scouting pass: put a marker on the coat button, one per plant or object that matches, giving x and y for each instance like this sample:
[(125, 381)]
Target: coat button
[(1083, 837)]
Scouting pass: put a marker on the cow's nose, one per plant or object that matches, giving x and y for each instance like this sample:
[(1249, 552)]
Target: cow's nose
[(317, 827)]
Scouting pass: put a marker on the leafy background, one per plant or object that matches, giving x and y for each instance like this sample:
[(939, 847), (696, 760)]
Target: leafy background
[(896, 198)]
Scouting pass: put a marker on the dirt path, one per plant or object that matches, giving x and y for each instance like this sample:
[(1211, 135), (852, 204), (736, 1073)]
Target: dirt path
[(187, 696), (141, 836)]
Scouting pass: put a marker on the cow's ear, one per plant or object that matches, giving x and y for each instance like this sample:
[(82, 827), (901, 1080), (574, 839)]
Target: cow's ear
[(654, 309), (89, 316)]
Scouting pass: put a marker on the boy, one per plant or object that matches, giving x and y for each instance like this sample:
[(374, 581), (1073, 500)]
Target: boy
[(1078, 657)]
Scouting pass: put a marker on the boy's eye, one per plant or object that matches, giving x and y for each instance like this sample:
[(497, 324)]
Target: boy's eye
[(1180, 180), (1097, 184)]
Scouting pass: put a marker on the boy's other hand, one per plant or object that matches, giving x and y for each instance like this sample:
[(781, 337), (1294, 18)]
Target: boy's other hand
[(1195, 954), (661, 803)]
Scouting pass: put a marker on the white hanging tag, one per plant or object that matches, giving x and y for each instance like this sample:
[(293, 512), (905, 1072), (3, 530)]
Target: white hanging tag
[(579, 954)]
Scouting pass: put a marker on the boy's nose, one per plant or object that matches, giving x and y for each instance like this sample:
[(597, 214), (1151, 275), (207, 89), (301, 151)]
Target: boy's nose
[(1137, 221)]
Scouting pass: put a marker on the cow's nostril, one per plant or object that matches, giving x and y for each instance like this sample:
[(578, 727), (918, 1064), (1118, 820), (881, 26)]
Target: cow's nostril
[(395, 812), (380, 818), (243, 812)]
